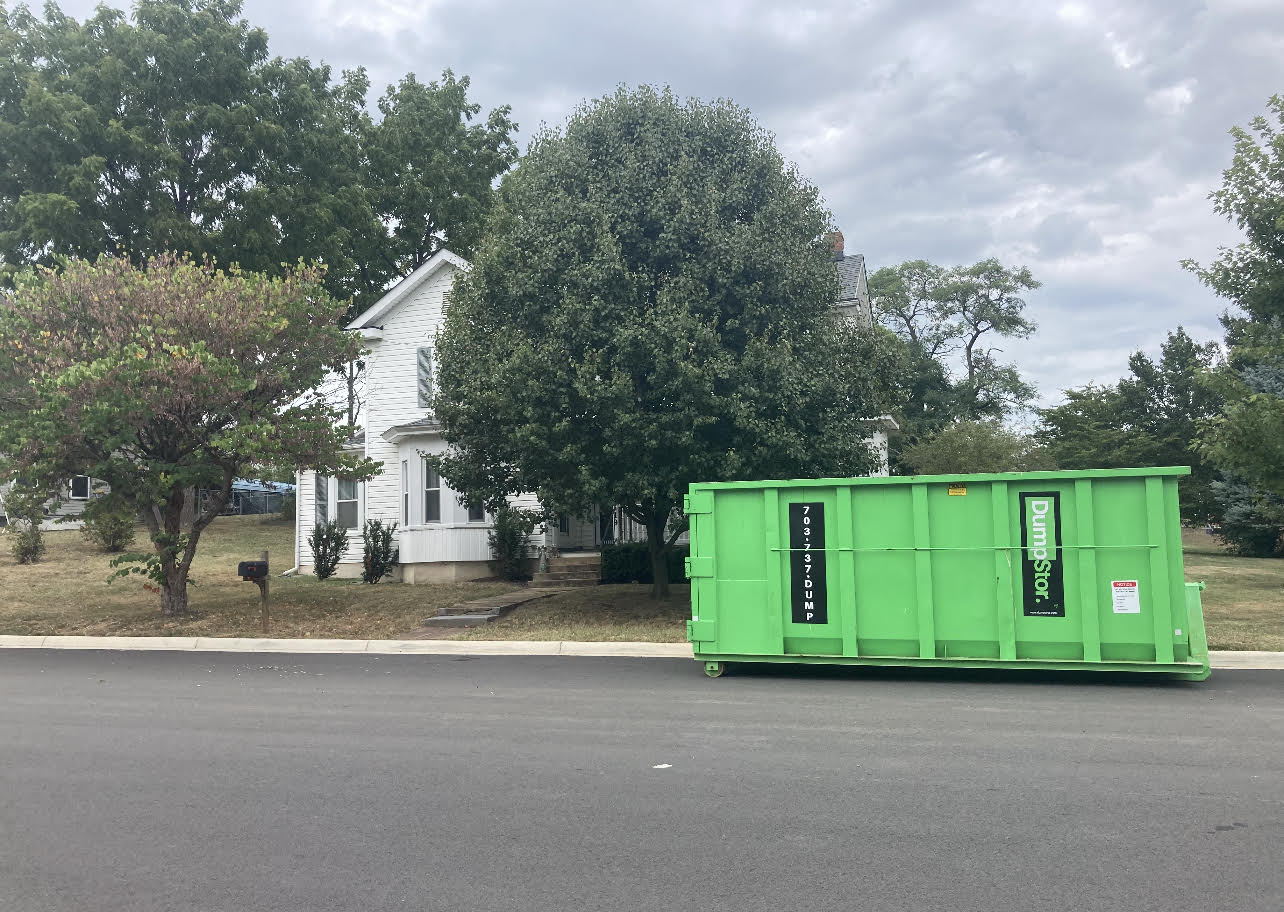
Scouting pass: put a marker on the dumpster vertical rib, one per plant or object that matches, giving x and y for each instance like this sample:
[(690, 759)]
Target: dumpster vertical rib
[(1003, 597), (846, 560), (923, 575), (1089, 606), (775, 595), (1160, 589)]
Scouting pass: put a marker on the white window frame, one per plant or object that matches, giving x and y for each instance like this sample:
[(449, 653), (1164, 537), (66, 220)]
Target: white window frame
[(355, 500), (432, 494), (405, 492), (71, 488), (481, 510)]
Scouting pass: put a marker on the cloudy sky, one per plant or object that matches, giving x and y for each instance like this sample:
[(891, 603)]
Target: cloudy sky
[(1079, 138)]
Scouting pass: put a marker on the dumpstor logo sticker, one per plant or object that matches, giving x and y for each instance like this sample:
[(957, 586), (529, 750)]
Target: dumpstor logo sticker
[(1042, 574)]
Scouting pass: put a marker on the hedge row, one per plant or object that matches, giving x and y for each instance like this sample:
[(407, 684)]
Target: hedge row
[(631, 563)]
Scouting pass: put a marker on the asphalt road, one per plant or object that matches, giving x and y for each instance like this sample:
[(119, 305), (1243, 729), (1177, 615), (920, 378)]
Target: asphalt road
[(163, 781)]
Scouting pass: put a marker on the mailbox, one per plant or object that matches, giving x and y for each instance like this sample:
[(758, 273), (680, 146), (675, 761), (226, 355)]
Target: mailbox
[(252, 570)]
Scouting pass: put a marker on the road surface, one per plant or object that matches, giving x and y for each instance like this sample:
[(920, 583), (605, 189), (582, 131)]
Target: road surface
[(165, 781)]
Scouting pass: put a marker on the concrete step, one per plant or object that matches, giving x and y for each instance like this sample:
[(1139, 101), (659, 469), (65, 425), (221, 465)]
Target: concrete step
[(564, 583), (559, 564), (461, 620), (570, 574)]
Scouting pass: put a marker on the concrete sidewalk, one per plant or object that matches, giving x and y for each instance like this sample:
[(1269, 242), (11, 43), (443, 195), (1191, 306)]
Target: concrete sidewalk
[(1227, 660)]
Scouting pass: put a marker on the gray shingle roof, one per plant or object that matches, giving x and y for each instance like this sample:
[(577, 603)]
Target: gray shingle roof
[(849, 271)]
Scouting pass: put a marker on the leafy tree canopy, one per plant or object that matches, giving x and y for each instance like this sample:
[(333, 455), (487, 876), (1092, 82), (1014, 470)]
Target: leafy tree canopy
[(166, 377), (976, 446), (1150, 418), (955, 317), (1248, 438), (651, 305), (175, 130)]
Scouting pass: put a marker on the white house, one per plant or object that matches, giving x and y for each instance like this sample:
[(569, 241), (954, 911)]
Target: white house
[(64, 512), (439, 538)]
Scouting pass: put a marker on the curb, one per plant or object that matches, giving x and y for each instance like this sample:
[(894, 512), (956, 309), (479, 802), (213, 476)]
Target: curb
[(1220, 659), (344, 647)]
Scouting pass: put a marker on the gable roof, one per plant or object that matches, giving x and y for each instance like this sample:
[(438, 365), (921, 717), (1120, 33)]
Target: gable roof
[(851, 278), (406, 287)]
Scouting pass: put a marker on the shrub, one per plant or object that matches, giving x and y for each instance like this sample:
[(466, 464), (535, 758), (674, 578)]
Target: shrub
[(288, 503), (510, 539), (1250, 520), (630, 562), (109, 523), (24, 504), (329, 542), (379, 558), (29, 545)]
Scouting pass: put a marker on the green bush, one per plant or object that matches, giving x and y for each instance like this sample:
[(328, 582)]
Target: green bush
[(510, 539), (378, 558), (29, 545), (1250, 520), (289, 502), (630, 562), (109, 523), (24, 505), (329, 542)]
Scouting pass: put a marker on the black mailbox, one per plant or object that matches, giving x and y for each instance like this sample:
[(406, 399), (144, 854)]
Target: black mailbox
[(252, 570)]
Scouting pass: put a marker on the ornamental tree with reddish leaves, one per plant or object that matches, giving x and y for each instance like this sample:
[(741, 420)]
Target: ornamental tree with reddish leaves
[(167, 377)]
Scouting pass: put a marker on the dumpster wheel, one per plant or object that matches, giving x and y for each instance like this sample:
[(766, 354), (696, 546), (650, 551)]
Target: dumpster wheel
[(715, 669)]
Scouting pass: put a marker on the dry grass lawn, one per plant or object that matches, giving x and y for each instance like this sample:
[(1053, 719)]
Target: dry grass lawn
[(596, 614), (1244, 601), (67, 592)]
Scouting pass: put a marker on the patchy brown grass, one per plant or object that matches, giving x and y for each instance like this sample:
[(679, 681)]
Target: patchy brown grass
[(595, 615), (68, 593), (1244, 601)]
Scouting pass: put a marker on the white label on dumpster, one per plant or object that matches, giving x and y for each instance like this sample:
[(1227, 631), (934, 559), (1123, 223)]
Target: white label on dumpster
[(1124, 597)]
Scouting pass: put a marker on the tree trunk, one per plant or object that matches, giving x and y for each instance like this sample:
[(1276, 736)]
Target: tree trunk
[(659, 556), (174, 592)]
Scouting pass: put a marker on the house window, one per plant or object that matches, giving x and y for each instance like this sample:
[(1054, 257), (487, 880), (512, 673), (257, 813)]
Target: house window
[(80, 487), (564, 525), (424, 366), (323, 499), (477, 513), (346, 503), (405, 492), (432, 494)]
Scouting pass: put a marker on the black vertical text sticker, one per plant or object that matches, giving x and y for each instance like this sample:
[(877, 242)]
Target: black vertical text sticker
[(1042, 573), (807, 563)]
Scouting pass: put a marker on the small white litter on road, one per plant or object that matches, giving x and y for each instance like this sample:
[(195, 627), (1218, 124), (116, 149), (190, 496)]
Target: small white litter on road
[(662, 766)]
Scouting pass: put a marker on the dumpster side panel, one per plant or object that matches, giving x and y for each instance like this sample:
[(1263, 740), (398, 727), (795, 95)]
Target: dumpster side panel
[(885, 582)]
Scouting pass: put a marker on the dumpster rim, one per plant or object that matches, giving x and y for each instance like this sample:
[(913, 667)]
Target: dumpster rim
[(1060, 475)]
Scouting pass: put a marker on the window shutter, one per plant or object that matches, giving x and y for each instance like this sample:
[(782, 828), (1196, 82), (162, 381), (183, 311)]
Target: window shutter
[(322, 492), (425, 377)]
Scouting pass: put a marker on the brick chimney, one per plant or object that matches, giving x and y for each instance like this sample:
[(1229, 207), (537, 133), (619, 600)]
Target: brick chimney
[(836, 243)]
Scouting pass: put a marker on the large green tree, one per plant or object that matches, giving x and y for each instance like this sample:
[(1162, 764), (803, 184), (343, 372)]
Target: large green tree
[(651, 306), (1151, 417), (1248, 438), (167, 377), (176, 130), (956, 317)]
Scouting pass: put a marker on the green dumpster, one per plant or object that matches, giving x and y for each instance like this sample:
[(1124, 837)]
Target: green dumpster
[(1032, 570)]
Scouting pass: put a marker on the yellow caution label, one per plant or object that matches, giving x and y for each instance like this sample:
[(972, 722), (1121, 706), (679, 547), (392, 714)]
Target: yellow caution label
[(958, 490)]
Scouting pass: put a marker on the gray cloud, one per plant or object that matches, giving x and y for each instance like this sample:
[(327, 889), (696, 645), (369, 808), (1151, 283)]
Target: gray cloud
[(1079, 138)]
